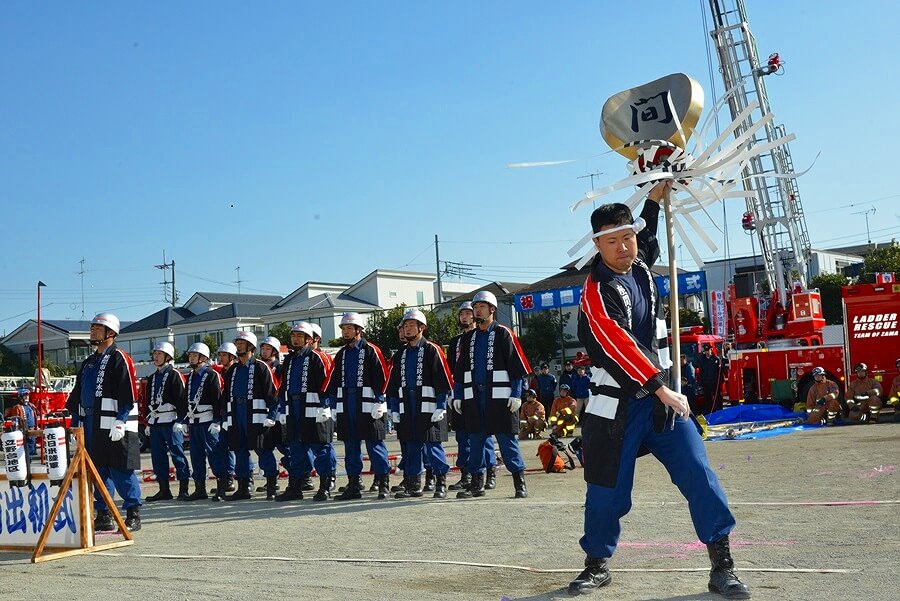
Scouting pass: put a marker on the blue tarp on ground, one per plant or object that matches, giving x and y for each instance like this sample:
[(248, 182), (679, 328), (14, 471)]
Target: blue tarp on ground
[(750, 413)]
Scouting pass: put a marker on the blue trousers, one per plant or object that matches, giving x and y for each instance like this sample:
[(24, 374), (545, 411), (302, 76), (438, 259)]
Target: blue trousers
[(681, 452), (509, 450), (164, 442), (243, 466), (205, 447), (123, 481), (267, 462), (462, 456), (323, 458), (378, 457), (415, 454)]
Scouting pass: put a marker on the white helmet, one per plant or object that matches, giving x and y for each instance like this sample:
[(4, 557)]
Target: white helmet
[(227, 347), (273, 342), (248, 336), (199, 348), (485, 297), (166, 348), (353, 319), (414, 314), (107, 319), (303, 328), (464, 306), (317, 329)]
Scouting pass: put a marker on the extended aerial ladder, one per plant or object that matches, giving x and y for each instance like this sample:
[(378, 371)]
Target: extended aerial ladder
[(781, 225)]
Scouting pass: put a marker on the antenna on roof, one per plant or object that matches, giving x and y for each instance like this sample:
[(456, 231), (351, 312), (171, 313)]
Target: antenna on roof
[(238, 281)]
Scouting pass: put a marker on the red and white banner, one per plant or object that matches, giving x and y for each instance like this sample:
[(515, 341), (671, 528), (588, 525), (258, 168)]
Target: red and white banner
[(885, 278), (718, 315)]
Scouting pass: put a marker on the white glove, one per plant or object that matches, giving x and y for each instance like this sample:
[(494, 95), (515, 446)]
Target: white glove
[(379, 410), (874, 392), (179, 428), (323, 414), (395, 417), (282, 419), (73, 442), (457, 405), (438, 415), (225, 426), (214, 428), (268, 423), (147, 431), (514, 404), (118, 431)]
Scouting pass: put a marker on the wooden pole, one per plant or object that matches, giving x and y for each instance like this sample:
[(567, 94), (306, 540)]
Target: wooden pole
[(673, 295)]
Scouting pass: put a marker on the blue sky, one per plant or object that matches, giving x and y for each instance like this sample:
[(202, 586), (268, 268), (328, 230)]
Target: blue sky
[(309, 142)]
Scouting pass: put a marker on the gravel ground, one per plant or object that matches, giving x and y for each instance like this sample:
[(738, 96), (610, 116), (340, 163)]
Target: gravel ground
[(525, 549)]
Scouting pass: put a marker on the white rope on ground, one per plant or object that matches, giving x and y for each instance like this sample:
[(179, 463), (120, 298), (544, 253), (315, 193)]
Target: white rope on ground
[(456, 563)]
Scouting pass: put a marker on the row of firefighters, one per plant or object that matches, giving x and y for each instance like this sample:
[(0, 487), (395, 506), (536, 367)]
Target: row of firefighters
[(863, 397), (245, 404)]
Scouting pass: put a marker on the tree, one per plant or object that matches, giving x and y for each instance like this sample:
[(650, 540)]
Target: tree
[(381, 328), (829, 285), (210, 342), (10, 365), (884, 259), (282, 332), (541, 337)]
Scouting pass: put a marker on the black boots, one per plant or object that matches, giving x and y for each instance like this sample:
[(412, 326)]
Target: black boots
[(490, 478), (429, 481), (326, 484), (183, 490), (164, 494), (199, 493), (399, 487), (229, 484), (384, 486), (722, 578), (413, 488), (353, 490), (242, 492), (271, 487), (519, 484), (221, 488), (133, 519), (104, 521), (465, 479), (293, 492), (440, 486), (595, 575), (306, 483), (476, 488)]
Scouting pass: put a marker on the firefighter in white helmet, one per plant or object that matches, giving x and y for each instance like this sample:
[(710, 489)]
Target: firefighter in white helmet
[(104, 402), (418, 389), (226, 355), (822, 403), (202, 392), (302, 399), (357, 390), (270, 353), (166, 409), (863, 392), (488, 391), (250, 407)]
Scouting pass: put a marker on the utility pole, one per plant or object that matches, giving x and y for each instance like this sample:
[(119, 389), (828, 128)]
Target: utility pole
[(437, 266), (238, 281), (166, 266), (866, 213), (81, 273), (592, 176)]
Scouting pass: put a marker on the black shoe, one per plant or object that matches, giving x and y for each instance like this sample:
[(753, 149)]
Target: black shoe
[(242, 493), (271, 487), (199, 493), (265, 487), (429, 481), (353, 490), (293, 492), (164, 494), (324, 492), (465, 479), (595, 574), (519, 484), (230, 485), (384, 486), (219, 495), (306, 483), (722, 579), (133, 519), (413, 488), (490, 478), (440, 486), (374, 487), (183, 490), (104, 521), (399, 487), (476, 488)]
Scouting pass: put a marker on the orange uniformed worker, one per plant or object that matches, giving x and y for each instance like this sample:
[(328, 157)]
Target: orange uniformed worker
[(564, 413), (532, 418), (822, 404), (862, 396), (894, 394)]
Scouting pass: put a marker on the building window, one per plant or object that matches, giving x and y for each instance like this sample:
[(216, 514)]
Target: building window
[(420, 297), (392, 294)]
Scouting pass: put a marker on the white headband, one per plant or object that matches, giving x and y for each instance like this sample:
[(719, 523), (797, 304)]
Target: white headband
[(637, 226)]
